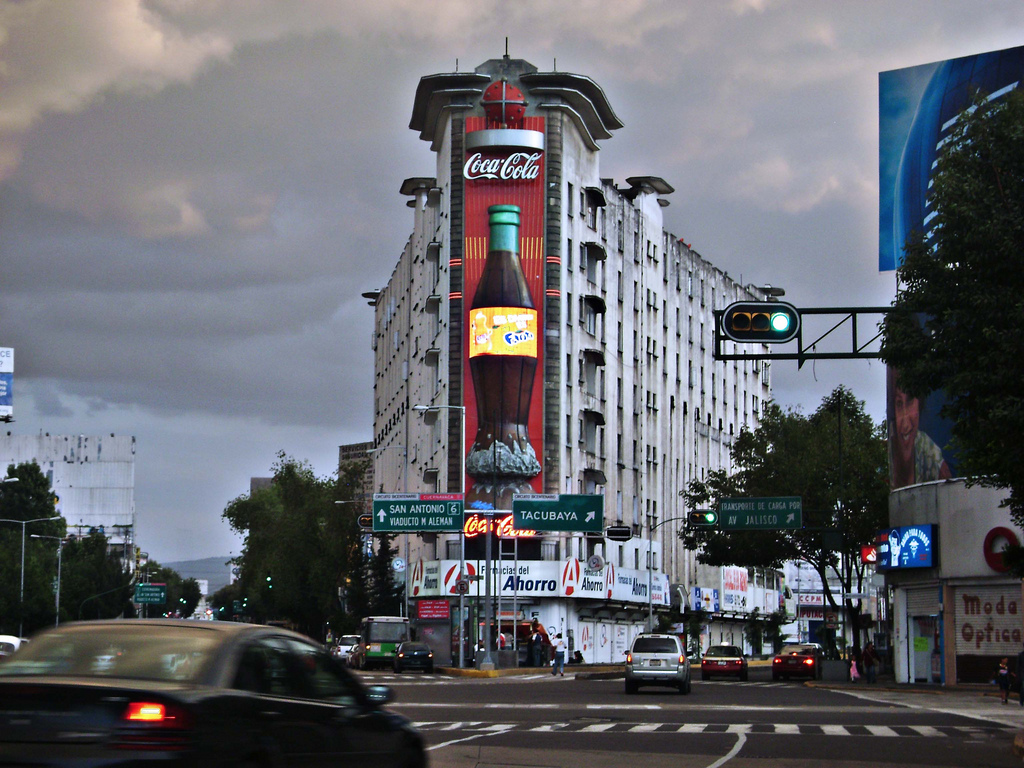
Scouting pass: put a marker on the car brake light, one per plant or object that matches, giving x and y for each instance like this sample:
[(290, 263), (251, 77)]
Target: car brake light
[(144, 711), (776, 660), (629, 658), (809, 662), (152, 726), (682, 658)]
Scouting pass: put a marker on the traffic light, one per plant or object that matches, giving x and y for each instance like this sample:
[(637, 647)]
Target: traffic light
[(703, 518), (366, 522), (767, 322)]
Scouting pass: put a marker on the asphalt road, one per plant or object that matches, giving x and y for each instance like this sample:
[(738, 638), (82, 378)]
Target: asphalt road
[(577, 721)]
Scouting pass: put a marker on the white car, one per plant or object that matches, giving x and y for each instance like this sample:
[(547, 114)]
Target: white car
[(9, 644)]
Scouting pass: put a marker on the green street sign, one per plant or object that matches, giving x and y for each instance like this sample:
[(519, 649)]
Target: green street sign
[(558, 512), (760, 514), (153, 594), (418, 512)]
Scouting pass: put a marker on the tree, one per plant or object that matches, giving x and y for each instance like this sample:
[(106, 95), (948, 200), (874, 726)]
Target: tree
[(955, 324), (95, 583), (301, 550), (773, 628), (835, 460), (30, 497), (753, 631)]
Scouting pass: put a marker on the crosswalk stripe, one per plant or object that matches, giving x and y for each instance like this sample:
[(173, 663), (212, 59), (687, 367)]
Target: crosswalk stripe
[(881, 730), (748, 729)]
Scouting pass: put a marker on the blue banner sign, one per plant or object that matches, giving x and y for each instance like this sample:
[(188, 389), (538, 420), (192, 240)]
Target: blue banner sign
[(911, 546)]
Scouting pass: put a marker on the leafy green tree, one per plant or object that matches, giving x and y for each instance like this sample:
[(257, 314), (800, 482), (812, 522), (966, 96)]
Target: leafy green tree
[(183, 595), (955, 324), (300, 548), (95, 583), (385, 589), (773, 628), (29, 498), (835, 460), (753, 630), (695, 621)]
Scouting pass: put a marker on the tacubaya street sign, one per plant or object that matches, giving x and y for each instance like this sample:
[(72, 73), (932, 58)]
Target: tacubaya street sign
[(558, 512)]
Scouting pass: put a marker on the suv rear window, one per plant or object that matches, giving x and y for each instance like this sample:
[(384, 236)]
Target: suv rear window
[(655, 645)]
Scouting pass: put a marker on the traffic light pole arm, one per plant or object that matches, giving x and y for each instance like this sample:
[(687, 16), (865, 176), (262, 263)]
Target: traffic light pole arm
[(805, 352)]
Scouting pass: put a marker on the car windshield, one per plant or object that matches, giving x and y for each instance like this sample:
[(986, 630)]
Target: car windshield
[(144, 652), (723, 650), (655, 645)]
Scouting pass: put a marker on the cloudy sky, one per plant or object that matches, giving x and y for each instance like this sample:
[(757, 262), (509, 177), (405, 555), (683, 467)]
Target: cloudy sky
[(194, 193)]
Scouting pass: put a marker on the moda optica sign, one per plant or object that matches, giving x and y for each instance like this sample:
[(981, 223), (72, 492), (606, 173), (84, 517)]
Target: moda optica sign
[(911, 546)]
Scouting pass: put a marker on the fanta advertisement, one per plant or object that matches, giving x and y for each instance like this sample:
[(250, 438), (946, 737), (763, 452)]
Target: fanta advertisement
[(503, 331), (566, 578)]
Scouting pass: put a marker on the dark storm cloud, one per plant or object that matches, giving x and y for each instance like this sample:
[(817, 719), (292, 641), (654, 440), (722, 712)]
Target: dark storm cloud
[(193, 195)]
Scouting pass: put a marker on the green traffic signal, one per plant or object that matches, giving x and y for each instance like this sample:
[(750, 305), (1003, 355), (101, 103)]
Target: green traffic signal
[(705, 518), (767, 322)]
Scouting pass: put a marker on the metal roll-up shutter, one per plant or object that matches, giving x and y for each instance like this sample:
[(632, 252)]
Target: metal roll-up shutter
[(988, 619), (923, 601)]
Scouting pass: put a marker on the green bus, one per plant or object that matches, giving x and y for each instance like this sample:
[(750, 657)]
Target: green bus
[(379, 638)]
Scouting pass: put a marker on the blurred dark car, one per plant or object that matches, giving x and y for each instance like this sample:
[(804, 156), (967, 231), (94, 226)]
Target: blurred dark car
[(184, 693), (798, 660), (414, 655), (723, 660)]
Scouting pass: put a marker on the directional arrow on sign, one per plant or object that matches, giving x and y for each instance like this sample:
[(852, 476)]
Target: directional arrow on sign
[(590, 516)]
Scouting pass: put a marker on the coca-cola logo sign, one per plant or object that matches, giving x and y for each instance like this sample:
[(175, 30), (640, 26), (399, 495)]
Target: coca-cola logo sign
[(519, 166)]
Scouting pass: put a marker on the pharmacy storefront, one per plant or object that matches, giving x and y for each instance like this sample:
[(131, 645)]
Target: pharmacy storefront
[(597, 610)]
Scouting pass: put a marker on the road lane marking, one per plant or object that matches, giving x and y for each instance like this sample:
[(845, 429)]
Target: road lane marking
[(715, 729), (881, 730)]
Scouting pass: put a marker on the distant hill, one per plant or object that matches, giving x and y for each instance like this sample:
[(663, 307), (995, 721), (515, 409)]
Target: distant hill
[(214, 569)]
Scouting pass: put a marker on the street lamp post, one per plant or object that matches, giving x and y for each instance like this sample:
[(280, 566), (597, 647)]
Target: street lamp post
[(650, 568), (60, 549), (21, 593), (462, 531)]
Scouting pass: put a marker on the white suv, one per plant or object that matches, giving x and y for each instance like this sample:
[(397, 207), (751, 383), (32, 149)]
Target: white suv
[(657, 660)]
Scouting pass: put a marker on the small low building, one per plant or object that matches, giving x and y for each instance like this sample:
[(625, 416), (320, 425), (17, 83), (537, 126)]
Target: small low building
[(956, 609)]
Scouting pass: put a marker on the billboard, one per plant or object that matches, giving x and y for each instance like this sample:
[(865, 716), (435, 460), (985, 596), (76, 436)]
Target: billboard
[(6, 383), (917, 107), (503, 293), (911, 546)]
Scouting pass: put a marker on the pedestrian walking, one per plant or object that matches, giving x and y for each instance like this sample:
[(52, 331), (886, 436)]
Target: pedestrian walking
[(1003, 678), (559, 667), (869, 658)]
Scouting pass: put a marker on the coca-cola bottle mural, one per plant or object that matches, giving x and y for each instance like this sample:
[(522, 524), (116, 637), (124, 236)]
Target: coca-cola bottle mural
[(502, 360)]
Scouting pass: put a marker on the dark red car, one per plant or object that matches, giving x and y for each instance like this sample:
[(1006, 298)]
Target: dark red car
[(802, 660), (723, 660)]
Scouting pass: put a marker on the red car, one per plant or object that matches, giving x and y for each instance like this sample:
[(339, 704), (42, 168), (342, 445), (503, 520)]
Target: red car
[(725, 660), (797, 661)]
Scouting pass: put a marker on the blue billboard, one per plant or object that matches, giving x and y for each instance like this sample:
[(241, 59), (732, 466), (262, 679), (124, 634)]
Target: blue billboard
[(911, 546), (917, 108)]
